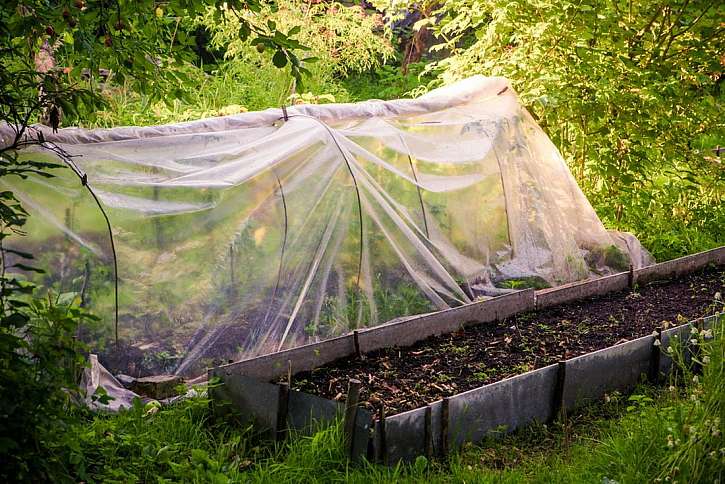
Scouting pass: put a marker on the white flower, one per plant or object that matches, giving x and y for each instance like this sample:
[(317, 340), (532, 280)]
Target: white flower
[(694, 330), (707, 333), (669, 349), (655, 333), (657, 343), (693, 341), (718, 296), (695, 379), (670, 442), (672, 388), (706, 359)]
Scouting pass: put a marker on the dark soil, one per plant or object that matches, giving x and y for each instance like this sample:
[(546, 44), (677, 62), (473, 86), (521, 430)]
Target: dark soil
[(407, 378)]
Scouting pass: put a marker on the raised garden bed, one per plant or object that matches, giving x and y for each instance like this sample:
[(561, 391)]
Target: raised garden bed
[(410, 377), (468, 372)]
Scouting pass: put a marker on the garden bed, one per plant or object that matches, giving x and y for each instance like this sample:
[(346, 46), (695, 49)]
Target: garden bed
[(407, 378)]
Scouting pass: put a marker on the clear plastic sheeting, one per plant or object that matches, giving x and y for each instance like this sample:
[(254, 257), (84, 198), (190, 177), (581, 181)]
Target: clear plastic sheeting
[(252, 233)]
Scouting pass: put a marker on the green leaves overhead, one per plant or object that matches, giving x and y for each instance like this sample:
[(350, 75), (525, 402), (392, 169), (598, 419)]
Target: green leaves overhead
[(73, 46)]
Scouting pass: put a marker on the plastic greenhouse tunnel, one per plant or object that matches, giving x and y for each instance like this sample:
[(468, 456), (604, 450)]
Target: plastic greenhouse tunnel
[(248, 234)]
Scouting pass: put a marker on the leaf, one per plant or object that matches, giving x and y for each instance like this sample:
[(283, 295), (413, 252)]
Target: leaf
[(279, 59)]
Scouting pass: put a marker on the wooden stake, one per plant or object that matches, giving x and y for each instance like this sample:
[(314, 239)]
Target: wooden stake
[(428, 433), (282, 410), (351, 404), (382, 449), (356, 341), (630, 278), (559, 404), (444, 428)]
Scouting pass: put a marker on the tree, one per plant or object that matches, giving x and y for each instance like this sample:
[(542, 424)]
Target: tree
[(54, 54), (629, 91)]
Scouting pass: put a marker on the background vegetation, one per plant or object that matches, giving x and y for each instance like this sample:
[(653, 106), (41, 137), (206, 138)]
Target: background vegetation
[(630, 92)]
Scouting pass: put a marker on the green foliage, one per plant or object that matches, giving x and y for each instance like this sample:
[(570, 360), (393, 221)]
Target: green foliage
[(629, 92), (387, 82), (39, 371), (180, 443), (54, 53), (341, 40), (40, 359), (229, 88)]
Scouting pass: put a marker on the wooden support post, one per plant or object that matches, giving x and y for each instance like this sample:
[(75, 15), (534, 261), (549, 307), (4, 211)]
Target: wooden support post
[(382, 448), (428, 433), (356, 341), (289, 373), (351, 404), (656, 357), (445, 447), (559, 406), (282, 410)]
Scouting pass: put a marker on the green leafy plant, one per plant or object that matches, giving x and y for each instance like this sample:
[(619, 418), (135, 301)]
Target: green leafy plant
[(40, 364)]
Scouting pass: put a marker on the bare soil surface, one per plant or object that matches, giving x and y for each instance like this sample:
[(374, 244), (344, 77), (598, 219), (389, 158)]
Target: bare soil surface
[(407, 378)]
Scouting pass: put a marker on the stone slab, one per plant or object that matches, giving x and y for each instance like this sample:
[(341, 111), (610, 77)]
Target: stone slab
[(580, 290), (157, 387), (502, 406), (591, 376), (678, 267), (410, 331)]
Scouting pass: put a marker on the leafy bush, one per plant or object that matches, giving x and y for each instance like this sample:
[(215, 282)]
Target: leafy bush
[(387, 82), (39, 373), (630, 93), (40, 359)]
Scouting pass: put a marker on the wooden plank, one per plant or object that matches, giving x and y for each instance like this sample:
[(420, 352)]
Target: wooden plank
[(619, 368), (254, 401), (405, 436), (580, 290), (410, 331), (678, 267), (351, 408), (302, 358), (502, 406)]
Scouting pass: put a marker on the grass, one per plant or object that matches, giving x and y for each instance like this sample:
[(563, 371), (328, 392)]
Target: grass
[(671, 434)]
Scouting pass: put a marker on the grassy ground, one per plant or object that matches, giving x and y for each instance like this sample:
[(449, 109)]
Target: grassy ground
[(665, 434)]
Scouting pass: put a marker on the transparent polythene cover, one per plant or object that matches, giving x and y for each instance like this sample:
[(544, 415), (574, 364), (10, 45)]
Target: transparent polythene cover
[(248, 234)]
